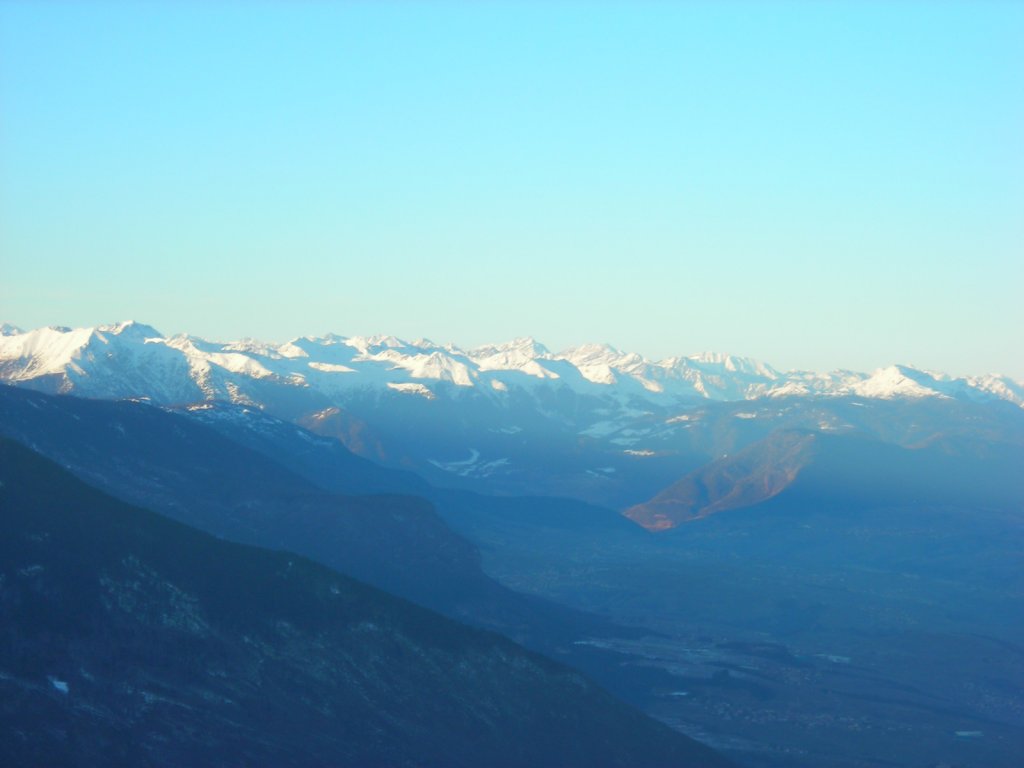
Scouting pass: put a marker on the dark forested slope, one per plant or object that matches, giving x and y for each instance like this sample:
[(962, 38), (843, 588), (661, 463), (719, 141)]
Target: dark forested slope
[(128, 638)]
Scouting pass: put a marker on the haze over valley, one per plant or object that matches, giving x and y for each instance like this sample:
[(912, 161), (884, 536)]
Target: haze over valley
[(771, 563), (512, 385)]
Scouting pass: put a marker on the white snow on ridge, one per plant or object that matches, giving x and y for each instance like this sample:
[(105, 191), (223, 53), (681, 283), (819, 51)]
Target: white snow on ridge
[(331, 367), (135, 360), (512, 355), (728, 363), (411, 388), (44, 351), (535, 369), (894, 381), (1001, 387)]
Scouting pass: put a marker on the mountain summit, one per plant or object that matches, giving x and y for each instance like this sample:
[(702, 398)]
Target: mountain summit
[(130, 359)]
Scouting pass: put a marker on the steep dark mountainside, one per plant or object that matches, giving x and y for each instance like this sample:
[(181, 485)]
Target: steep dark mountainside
[(842, 469), (189, 472), (127, 638), (180, 467)]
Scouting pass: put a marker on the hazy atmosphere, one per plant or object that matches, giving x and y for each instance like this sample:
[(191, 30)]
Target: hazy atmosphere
[(816, 185), (512, 385)]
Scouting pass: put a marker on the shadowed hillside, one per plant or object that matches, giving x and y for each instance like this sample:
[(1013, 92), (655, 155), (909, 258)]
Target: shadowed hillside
[(129, 638)]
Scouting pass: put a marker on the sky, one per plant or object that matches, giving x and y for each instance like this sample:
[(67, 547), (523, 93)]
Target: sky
[(815, 184)]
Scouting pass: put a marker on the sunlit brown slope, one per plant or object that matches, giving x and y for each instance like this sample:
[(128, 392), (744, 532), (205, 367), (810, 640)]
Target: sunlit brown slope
[(746, 478), (841, 470)]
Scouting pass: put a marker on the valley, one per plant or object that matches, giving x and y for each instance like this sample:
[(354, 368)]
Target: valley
[(512, 385), (813, 651), (827, 578)]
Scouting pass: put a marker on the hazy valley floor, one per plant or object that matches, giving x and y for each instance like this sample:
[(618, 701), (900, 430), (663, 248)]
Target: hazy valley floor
[(787, 649)]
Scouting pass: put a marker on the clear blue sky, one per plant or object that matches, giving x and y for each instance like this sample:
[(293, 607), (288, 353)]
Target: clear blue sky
[(818, 185)]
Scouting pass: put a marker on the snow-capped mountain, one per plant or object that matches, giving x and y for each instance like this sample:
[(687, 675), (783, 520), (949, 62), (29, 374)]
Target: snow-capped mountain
[(591, 421), (134, 360)]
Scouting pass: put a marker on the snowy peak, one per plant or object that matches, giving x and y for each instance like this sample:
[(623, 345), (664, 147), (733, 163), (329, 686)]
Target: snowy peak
[(52, 349), (374, 345), (248, 346), (525, 346), (132, 329), (591, 354), (437, 366), (130, 359), (900, 381), (519, 354), (604, 364), (42, 352), (716, 361)]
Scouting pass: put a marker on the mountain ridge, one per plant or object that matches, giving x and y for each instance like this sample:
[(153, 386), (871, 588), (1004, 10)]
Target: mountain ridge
[(203, 369), (592, 423)]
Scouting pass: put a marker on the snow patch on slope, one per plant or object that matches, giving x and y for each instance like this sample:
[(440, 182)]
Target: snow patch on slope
[(411, 388)]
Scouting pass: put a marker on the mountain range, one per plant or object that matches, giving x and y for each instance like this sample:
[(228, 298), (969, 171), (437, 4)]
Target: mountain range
[(591, 423), (132, 359), (710, 539)]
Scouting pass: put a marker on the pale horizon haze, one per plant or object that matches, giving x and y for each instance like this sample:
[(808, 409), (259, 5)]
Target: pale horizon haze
[(815, 185)]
